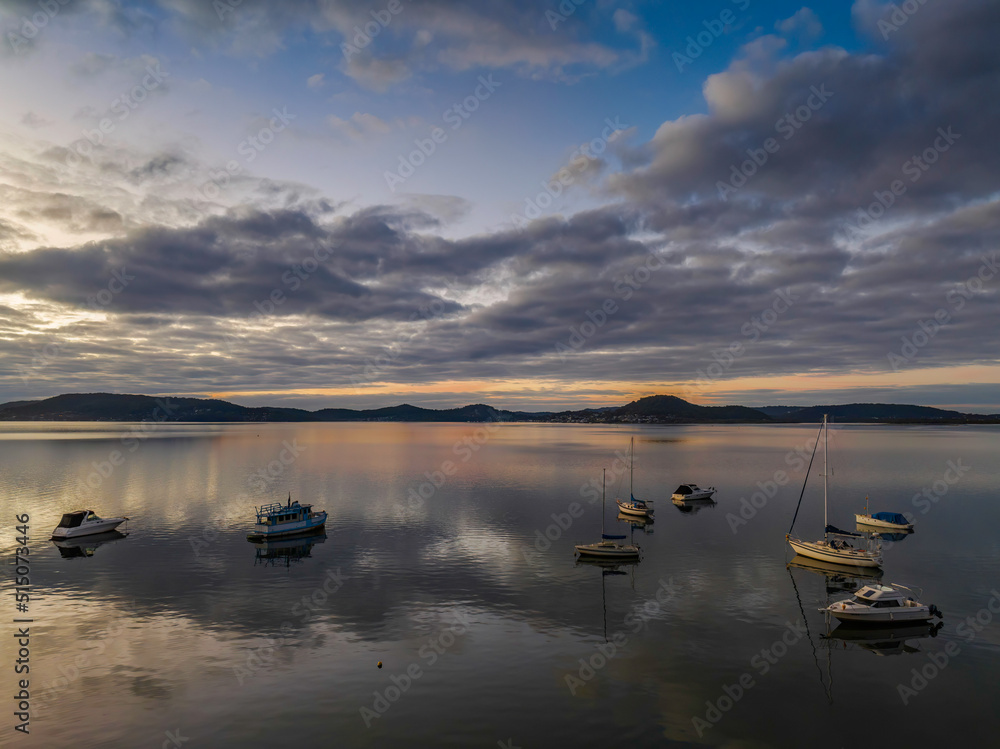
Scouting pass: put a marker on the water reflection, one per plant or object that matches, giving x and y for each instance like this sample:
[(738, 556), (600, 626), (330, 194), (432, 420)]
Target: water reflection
[(692, 506), (882, 640), (282, 552), (86, 546)]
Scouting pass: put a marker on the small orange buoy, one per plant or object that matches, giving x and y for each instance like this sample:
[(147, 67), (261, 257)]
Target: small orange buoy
[(380, 664)]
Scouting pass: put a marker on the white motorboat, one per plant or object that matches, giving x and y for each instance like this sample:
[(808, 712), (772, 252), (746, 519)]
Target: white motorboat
[(879, 604), (636, 507), (836, 546), (84, 523), (291, 519), (608, 547), (692, 491), (892, 521)]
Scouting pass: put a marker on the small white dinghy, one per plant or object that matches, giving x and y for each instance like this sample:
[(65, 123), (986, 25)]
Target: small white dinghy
[(84, 523), (881, 604)]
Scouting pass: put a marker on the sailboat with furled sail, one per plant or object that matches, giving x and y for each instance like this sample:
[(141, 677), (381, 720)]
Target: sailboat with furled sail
[(608, 547), (836, 546)]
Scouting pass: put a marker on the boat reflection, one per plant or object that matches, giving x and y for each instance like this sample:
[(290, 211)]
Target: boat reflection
[(894, 536), (691, 506), (643, 524), (85, 546), (278, 552), (840, 578), (883, 640)]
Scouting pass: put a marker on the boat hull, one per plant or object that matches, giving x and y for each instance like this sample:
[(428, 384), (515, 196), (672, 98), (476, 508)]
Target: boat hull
[(824, 553), (694, 495), (87, 529), (287, 530), (639, 512), (874, 523), (607, 552), (883, 616)]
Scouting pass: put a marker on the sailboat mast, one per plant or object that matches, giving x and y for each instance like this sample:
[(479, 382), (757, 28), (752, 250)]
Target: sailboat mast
[(631, 469), (826, 470), (604, 482)]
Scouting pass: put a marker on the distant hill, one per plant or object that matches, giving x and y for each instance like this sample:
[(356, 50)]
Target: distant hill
[(654, 409), (882, 412)]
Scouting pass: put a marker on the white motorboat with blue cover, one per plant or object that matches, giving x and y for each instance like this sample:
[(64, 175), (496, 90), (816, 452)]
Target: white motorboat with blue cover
[(892, 521), (290, 519), (692, 491)]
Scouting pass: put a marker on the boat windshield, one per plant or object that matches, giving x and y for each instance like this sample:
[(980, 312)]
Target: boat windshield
[(71, 520), (92, 516)]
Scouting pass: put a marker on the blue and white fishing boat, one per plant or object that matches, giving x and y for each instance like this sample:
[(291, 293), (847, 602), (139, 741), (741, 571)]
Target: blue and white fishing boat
[(276, 520)]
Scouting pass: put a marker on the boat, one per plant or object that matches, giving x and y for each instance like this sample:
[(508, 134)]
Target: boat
[(84, 523), (634, 506), (608, 547), (692, 491), (892, 521), (836, 546), (882, 604), (292, 519)]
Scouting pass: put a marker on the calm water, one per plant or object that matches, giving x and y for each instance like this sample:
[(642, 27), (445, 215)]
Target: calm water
[(183, 626)]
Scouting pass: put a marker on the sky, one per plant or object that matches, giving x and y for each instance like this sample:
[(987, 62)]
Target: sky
[(532, 205)]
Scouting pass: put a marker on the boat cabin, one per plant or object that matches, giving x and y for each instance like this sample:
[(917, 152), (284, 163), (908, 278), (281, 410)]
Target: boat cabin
[(879, 597), (685, 489), (277, 513), (76, 518)]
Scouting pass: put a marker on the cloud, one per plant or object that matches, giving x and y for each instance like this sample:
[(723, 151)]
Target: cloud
[(316, 81), (359, 125)]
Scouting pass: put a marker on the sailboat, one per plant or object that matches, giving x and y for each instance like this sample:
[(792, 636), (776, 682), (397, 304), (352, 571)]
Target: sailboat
[(608, 547), (634, 506), (836, 545)]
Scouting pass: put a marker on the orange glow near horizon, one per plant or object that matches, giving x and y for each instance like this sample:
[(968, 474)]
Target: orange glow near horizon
[(583, 393)]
